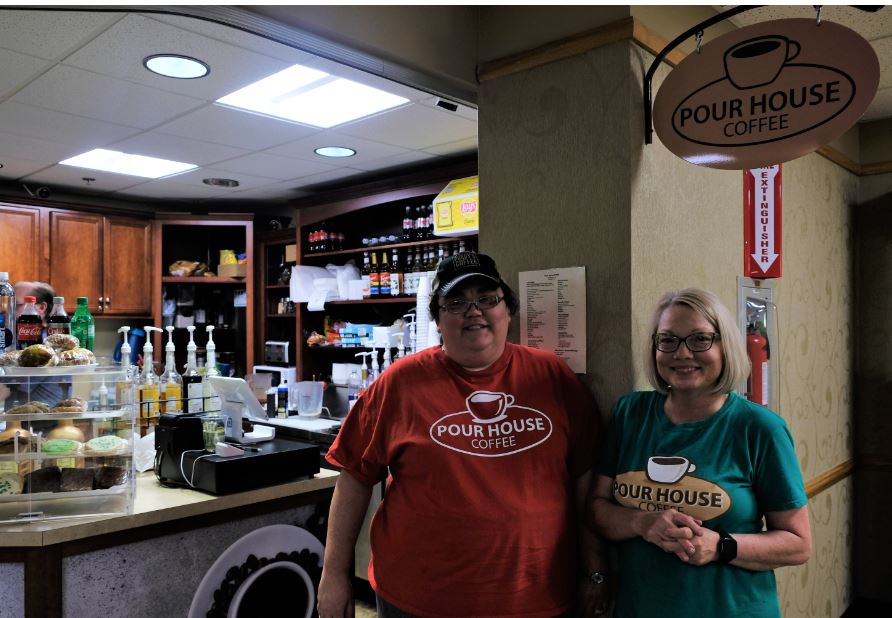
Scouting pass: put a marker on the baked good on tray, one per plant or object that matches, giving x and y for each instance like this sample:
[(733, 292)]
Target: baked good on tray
[(75, 404), (42, 480), (32, 407), (77, 356), (76, 479), (8, 446), (38, 355), (107, 477), (61, 342), (60, 446), (10, 484), (10, 359), (104, 445)]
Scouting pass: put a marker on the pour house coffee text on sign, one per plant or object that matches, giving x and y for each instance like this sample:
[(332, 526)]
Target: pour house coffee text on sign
[(765, 94), (762, 222)]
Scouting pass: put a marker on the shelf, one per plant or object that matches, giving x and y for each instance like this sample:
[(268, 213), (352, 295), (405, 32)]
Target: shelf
[(202, 280), (281, 315), (373, 301), (278, 287), (414, 243)]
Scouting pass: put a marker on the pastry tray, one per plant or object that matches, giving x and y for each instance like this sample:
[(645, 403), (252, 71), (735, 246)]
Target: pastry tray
[(43, 371), (53, 495)]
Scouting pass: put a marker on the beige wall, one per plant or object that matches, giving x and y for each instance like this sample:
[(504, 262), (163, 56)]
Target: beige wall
[(554, 151)]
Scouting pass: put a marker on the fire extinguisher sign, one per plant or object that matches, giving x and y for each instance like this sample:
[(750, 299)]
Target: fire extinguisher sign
[(762, 222)]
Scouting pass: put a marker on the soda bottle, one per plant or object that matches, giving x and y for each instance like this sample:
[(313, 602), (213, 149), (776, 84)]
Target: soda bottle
[(29, 326), (7, 314), (396, 276), (408, 225), (82, 325), (58, 322)]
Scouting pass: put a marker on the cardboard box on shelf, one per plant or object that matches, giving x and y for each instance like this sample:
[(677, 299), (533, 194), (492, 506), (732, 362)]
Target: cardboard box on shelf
[(232, 270), (290, 253)]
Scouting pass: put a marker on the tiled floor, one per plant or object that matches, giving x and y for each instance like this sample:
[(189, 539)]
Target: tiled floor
[(365, 599), (365, 609)]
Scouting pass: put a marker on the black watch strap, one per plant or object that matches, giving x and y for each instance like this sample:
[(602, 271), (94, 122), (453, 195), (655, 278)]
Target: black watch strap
[(595, 577), (727, 548)]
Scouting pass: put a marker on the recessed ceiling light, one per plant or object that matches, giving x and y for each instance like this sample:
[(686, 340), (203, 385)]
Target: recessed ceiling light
[(220, 182), (308, 96), (174, 65), (334, 151), (123, 163)]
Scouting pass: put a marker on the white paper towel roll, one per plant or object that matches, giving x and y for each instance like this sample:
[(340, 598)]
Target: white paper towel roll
[(422, 314)]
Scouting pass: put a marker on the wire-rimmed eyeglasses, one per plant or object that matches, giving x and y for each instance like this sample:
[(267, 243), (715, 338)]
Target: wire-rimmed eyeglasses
[(696, 342), (460, 306)]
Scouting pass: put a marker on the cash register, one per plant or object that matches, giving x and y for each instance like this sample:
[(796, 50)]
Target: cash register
[(244, 460)]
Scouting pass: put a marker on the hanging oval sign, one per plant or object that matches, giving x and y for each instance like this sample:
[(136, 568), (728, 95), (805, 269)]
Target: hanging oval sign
[(766, 94)]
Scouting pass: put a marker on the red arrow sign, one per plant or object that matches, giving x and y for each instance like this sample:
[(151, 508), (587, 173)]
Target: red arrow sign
[(762, 222)]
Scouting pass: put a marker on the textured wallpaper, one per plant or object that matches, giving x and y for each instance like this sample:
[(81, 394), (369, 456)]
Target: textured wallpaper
[(688, 230)]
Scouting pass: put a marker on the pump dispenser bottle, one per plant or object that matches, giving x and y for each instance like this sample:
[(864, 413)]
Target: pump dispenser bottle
[(124, 389), (364, 371), (375, 372), (171, 382), (148, 387), (212, 402), (192, 383)]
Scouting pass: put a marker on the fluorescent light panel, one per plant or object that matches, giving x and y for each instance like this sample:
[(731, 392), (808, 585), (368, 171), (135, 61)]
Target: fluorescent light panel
[(130, 164), (308, 96)]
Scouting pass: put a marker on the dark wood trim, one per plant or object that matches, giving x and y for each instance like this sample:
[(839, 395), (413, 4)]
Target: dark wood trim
[(652, 42), (557, 50), (873, 169), (828, 478), (835, 156), (43, 582), (134, 211)]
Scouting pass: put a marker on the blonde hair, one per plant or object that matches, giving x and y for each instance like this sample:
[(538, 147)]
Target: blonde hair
[(735, 362)]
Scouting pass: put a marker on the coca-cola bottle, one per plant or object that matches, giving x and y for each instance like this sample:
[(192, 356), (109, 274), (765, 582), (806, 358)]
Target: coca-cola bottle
[(29, 326), (58, 322)]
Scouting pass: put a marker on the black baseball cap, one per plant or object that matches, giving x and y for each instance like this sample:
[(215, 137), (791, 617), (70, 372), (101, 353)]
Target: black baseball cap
[(453, 270)]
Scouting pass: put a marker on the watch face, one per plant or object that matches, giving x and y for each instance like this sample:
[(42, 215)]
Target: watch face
[(597, 577)]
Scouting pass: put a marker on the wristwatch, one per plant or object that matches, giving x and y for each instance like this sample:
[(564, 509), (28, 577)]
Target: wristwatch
[(727, 549)]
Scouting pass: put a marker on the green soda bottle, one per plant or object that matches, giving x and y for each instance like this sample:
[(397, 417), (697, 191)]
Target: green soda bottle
[(82, 325)]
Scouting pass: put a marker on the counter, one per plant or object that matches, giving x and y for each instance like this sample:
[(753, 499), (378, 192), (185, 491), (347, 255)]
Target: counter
[(148, 563)]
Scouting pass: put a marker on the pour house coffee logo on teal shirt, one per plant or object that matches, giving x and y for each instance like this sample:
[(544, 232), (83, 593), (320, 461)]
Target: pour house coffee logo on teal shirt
[(766, 94)]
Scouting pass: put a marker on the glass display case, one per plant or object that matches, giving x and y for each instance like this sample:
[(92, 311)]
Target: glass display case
[(66, 443)]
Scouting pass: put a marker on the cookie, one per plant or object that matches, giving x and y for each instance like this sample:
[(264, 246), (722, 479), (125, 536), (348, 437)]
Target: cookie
[(33, 407), (104, 445), (60, 446), (10, 484)]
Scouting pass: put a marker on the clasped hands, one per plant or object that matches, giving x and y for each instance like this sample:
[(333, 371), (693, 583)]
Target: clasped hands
[(682, 535)]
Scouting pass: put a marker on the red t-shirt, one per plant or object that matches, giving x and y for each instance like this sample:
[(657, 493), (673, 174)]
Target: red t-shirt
[(478, 516)]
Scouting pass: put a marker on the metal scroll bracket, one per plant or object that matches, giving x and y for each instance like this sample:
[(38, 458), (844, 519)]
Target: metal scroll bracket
[(648, 78)]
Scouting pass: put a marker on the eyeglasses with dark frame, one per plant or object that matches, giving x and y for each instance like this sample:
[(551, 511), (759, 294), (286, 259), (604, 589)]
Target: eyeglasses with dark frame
[(696, 342), (460, 306)]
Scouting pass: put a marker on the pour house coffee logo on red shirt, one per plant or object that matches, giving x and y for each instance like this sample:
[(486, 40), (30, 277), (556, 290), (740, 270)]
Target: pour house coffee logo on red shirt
[(491, 426), (765, 94)]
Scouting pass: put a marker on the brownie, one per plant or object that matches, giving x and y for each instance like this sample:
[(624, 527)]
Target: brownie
[(77, 479), (107, 477), (43, 479), (7, 447)]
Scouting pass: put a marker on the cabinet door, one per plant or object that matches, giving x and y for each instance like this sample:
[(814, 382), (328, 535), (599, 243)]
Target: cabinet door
[(76, 257), (127, 273), (21, 252)]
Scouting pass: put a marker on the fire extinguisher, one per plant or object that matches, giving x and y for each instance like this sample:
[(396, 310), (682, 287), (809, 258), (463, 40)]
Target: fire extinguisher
[(757, 350)]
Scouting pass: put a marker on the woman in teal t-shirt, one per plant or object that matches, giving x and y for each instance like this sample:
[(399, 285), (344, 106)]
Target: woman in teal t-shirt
[(688, 472)]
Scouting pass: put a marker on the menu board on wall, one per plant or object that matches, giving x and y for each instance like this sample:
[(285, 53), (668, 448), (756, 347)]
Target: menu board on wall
[(552, 313)]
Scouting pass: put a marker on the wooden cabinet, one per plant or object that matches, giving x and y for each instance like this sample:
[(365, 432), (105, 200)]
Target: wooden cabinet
[(225, 302), (23, 246), (273, 325), (105, 258)]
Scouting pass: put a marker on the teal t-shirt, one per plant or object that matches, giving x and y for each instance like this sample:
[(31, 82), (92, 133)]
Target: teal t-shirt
[(727, 470)]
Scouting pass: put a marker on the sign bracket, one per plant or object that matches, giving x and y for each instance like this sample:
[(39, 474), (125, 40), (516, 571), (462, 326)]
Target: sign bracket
[(648, 77)]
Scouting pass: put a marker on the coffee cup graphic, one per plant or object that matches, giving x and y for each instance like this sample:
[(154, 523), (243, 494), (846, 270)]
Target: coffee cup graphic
[(488, 406), (757, 62), (668, 469)]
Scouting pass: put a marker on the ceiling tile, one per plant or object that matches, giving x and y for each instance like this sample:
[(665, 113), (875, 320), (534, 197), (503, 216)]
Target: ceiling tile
[(325, 177), (69, 176), (271, 166), (880, 108), (196, 177), (233, 36), (176, 148), (222, 125), (104, 98), (340, 70), (461, 147), (119, 52), (84, 133), (15, 168), (415, 127), (413, 156), (366, 150), (18, 69), (35, 149), (165, 189), (50, 34)]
